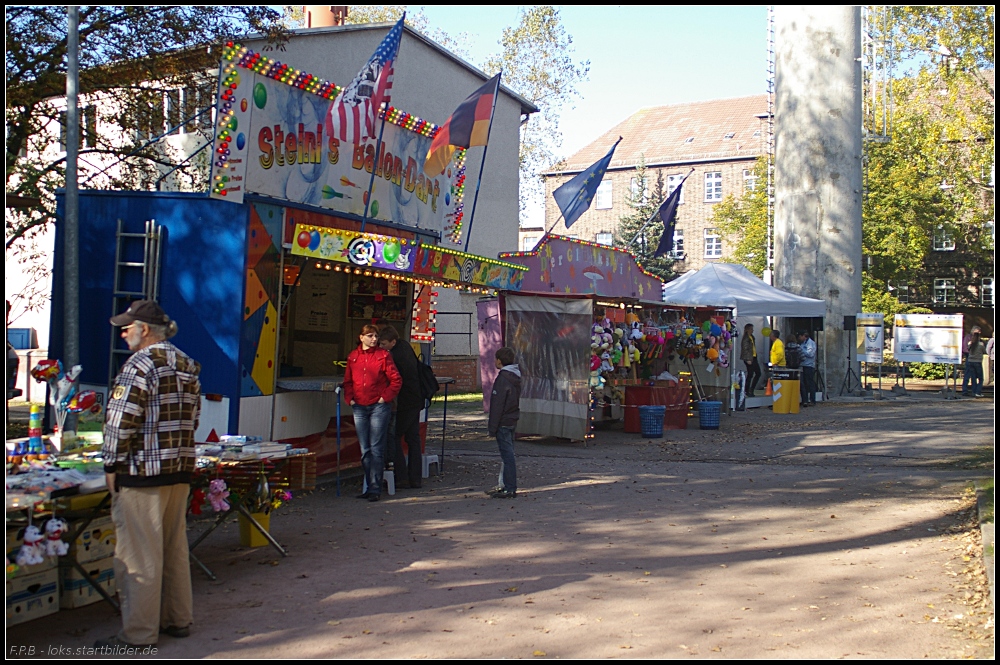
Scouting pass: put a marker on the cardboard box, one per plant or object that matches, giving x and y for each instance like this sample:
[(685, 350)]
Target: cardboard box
[(32, 596), (15, 538), (97, 541), (75, 591)]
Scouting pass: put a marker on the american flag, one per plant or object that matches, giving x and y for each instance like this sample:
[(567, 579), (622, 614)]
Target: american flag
[(351, 117)]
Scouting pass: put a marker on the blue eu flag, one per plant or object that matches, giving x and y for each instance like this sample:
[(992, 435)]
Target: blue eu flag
[(668, 215), (574, 197)]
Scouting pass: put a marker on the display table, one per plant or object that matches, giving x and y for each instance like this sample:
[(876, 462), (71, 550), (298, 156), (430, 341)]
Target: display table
[(294, 473), (674, 396), (785, 389)]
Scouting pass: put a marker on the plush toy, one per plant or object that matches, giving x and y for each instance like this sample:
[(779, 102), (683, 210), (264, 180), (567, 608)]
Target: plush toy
[(606, 365), (595, 362), (54, 529), (32, 551), (197, 500), (217, 495)]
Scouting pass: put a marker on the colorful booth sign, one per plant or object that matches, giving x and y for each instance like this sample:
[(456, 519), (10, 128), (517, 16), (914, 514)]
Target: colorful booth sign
[(871, 337), (456, 266), (358, 249), (569, 266), (273, 139)]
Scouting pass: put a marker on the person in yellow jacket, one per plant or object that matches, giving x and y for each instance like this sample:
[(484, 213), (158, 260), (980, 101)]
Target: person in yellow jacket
[(777, 350)]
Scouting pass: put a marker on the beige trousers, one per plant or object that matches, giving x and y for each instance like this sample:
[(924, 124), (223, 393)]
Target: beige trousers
[(151, 560)]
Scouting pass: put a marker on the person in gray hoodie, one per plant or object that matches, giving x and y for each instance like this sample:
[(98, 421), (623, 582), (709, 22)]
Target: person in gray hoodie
[(504, 412)]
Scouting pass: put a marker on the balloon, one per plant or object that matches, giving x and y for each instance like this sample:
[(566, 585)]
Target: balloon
[(260, 95), (46, 370), (83, 401), (707, 326), (241, 141), (715, 329), (712, 354), (390, 252), (765, 331), (303, 239), (314, 240)]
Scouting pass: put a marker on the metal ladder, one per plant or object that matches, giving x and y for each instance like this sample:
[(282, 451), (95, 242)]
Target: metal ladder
[(137, 277)]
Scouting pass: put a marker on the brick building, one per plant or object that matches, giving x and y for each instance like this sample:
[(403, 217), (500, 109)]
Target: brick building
[(720, 139)]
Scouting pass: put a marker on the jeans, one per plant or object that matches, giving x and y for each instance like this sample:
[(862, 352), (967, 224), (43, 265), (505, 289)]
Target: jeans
[(508, 467), (808, 385), (371, 423), (753, 376), (974, 375)]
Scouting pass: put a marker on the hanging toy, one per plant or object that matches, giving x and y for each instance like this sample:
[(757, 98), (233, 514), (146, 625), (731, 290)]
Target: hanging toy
[(217, 495), (31, 552), (54, 529), (606, 365), (197, 499), (595, 362)]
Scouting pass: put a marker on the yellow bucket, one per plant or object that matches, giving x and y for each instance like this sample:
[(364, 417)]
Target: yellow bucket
[(250, 536)]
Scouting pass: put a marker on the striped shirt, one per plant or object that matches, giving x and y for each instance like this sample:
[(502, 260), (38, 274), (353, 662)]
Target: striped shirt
[(152, 415)]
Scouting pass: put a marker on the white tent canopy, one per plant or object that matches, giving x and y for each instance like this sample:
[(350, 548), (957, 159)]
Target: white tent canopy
[(728, 285)]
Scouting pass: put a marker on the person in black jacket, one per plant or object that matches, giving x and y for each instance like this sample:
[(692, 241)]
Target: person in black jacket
[(408, 407), (504, 413)]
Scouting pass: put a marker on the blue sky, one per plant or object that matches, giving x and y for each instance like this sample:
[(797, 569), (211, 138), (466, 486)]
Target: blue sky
[(639, 56)]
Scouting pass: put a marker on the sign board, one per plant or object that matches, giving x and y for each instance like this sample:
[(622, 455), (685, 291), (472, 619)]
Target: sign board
[(871, 337), (358, 249), (273, 140), (929, 338)]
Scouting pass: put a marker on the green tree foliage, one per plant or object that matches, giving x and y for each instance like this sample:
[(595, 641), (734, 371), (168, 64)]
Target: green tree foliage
[(743, 222), (537, 61), (643, 202), (131, 59), (934, 171)]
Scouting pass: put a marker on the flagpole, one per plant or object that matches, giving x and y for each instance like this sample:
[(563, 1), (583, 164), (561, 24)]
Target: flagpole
[(475, 200), (554, 223), (648, 221), (371, 183)]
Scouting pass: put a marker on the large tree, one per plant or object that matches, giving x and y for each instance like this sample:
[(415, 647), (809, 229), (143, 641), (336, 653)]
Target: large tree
[(743, 222), (142, 69), (131, 59), (640, 230), (537, 61)]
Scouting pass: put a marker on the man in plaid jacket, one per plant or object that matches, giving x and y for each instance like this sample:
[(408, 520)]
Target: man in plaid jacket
[(149, 457)]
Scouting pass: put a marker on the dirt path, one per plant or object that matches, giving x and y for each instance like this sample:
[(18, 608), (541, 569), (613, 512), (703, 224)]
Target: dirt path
[(840, 532)]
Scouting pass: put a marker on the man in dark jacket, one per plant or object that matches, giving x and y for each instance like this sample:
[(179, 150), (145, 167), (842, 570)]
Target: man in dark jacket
[(504, 412), (409, 403)]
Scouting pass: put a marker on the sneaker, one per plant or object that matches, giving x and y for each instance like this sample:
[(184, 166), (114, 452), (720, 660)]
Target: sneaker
[(373, 497), (502, 494), (176, 631), (363, 495)]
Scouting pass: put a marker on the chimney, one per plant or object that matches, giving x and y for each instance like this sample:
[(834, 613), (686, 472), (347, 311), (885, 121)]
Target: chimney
[(324, 16)]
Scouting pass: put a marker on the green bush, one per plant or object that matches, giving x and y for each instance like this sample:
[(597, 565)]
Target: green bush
[(927, 370)]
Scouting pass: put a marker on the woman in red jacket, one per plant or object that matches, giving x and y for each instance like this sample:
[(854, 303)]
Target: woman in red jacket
[(371, 382)]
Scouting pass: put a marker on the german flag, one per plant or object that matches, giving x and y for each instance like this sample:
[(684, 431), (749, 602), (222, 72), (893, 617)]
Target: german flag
[(469, 125)]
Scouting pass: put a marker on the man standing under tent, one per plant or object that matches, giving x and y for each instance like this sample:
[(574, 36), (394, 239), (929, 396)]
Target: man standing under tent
[(807, 355)]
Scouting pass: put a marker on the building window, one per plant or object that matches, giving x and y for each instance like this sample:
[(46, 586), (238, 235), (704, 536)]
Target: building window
[(88, 128), (603, 199), (677, 253), (713, 186), (528, 243), (986, 293), (728, 136), (900, 290), (604, 238), (944, 240), (713, 244), (749, 180), (989, 235), (673, 181), (944, 291), (634, 188), (689, 140)]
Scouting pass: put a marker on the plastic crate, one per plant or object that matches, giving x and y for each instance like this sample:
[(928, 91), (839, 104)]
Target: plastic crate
[(651, 419), (709, 414)]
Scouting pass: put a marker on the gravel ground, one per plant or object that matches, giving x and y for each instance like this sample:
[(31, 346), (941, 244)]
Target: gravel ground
[(845, 531)]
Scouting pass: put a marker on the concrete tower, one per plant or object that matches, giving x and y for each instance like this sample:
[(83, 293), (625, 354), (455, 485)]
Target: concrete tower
[(817, 175)]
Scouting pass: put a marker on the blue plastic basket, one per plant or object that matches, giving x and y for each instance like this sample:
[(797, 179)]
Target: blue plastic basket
[(651, 420), (709, 413)]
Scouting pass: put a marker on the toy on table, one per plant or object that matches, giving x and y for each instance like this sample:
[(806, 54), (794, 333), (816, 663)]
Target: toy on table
[(54, 529), (32, 551), (217, 495)]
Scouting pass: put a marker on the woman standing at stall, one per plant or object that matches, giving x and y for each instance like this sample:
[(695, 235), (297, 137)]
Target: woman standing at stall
[(371, 382), (748, 354)]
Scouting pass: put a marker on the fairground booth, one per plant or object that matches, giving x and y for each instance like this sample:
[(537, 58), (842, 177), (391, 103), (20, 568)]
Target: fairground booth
[(594, 339), (301, 241)]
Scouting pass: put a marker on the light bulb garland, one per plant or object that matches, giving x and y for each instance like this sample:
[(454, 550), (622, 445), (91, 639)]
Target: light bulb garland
[(588, 243)]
